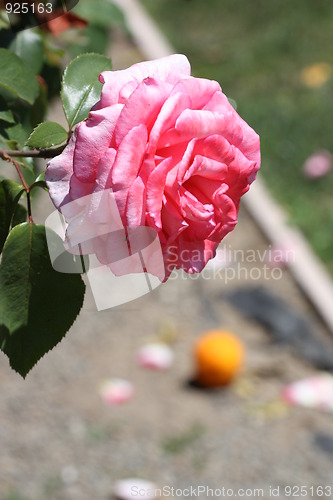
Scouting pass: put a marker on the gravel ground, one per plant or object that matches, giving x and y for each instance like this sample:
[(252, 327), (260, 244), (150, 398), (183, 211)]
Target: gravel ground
[(59, 441)]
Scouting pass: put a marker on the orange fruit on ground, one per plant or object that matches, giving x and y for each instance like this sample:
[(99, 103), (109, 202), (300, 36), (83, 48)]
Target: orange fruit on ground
[(219, 355)]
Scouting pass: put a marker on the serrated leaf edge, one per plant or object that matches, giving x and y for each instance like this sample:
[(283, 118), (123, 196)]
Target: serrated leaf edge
[(37, 127), (63, 79)]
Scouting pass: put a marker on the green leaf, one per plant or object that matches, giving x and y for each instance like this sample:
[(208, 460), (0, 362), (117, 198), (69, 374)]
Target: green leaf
[(20, 215), (92, 38), (7, 116), (81, 88), (40, 182), (39, 109), (28, 45), (47, 134), (38, 305), (16, 77), (17, 133), (15, 137), (28, 170), (101, 13), (10, 193), (4, 21)]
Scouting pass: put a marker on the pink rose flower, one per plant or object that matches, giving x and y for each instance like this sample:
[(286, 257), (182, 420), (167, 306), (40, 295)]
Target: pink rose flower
[(170, 152)]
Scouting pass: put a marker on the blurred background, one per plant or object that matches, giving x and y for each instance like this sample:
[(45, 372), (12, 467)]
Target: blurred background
[(275, 60), (63, 433)]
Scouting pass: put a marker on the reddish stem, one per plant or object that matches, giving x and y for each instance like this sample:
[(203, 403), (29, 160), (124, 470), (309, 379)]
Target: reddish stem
[(24, 184)]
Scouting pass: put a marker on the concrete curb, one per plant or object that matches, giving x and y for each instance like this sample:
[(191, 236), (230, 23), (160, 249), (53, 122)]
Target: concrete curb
[(306, 268)]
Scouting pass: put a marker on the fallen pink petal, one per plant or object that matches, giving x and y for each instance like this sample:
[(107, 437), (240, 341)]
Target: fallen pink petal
[(116, 391), (314, 392), (157, 356), (126, 489), (318, 164)]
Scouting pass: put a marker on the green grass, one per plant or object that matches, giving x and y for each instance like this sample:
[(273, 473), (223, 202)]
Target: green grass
[(177, 444), (12, 496), (256, 50)]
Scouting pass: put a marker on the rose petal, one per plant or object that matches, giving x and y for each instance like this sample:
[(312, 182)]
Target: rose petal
[(166, 69), (93, 140), (129, 158), (116, 391), (127, 489), (59, 172), (238, 132), (167, 116), (155, 356), (313, 392), (142, 107), (199, 90), (194, 256), (155, 190), (318, 165), (136, 203)]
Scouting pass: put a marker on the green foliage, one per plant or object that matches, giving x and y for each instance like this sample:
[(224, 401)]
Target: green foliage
[(100, 13), (10, 193), (17, 78), (13, 495), (47, 134), (14, 137), (93, 39), (28, 45), (39, 109), (101, 16), (40, 181), (177, 444), (7, 116), (37, 304), (81, 88)]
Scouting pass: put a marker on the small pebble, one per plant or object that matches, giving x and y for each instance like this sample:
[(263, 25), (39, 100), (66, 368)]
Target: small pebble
[(69, 474)]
